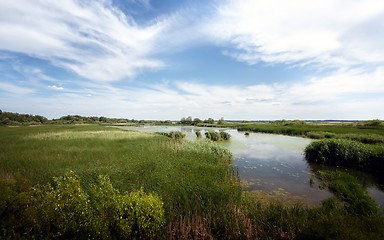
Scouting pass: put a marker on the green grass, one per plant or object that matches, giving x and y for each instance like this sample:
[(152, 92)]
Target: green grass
[(347, 153), (195, 181), (32, 155), (308, 129)]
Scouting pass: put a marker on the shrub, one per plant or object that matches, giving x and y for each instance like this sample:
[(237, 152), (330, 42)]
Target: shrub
[(225, 135), (217, 136), (373, 123), (65, 210)]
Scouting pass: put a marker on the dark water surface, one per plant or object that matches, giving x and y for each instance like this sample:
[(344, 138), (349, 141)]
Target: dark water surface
[(272, 164)]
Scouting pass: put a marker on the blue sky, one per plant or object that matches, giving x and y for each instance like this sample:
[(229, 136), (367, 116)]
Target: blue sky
[(163, 59)]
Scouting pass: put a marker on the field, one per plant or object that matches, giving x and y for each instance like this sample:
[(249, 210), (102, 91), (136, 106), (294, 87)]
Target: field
[(190, 188)]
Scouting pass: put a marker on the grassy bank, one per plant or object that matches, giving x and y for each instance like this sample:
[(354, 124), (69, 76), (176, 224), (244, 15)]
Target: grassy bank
[(193, 183), (347, 153), (312, 130)]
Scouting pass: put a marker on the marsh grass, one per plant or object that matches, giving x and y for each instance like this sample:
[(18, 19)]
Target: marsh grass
[(347, 153), (188, 177), (199, 188), (98, 134), (310, 129)]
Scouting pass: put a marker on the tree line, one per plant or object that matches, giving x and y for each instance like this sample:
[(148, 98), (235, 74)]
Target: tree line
[(197, 121)]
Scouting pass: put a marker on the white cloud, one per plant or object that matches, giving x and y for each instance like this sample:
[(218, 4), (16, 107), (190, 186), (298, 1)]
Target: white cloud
[(325, 32), (91, 38), (56, 87)]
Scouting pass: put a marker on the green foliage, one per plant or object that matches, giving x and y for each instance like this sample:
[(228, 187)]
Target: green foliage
[(209, 121), (337, 152), (196, 182), (217, 136), (373, 123), (212, 135), (209, 148), (65, 210), (198, 133), (129, 215), (349, 191), (320, 135), (197, 121), (175, 135), (224, 135), (186, 121), (9, 118), (349, 153), (296, 129), (363, 138)]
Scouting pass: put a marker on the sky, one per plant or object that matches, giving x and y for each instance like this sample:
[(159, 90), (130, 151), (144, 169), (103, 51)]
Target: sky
[(166, 59)]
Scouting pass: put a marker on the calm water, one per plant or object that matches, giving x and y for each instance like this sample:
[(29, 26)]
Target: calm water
[(273, 164)]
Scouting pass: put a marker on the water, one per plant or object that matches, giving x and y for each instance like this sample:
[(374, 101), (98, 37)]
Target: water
[(272, 165)]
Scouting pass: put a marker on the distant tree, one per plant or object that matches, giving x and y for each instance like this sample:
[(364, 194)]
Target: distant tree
[(40, 119), (373, 123), (102, 119), (221, 121), (186, 121), (209, 120), (94, 119), (197, 121)]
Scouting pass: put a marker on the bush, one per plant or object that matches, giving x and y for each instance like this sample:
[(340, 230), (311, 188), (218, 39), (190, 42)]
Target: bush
[(129, 215), (217, 136), (225, 135), (373, 123), (66, 211)]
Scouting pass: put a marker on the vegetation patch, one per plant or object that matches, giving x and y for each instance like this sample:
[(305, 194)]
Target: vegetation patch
[(175, 135), (350, 192), (155, 188), (101, 134), (217, 135), (348, 153), (65, 210)]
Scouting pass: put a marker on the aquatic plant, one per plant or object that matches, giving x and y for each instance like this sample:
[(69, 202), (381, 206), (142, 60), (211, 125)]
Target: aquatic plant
[(217, 136), (347, 153), (198, 133), (176, 135)]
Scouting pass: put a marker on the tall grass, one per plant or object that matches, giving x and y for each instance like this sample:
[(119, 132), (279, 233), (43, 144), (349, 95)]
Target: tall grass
[(348, 153), (310, 129), (190, 178), (199, 188)]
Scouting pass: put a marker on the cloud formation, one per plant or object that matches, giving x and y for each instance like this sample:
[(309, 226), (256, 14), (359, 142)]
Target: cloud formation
[(91, 38), (101, 44), (323, 32)]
